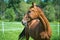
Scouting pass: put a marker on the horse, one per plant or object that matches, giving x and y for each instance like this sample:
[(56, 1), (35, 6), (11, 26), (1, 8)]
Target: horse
[(39, 31)]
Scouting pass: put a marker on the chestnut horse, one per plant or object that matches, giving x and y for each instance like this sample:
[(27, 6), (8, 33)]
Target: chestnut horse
[(36, 24)]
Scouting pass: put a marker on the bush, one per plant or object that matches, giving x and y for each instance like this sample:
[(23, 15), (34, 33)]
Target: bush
[(22, 9), (50, 12), (10, 14)]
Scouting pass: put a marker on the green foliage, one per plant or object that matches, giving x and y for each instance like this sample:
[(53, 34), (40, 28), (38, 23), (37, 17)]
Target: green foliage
[(57, 14), (10, 14), (14, 10), (56, 2), (22, 9), (50, 12), (2, 5), (36, 1)]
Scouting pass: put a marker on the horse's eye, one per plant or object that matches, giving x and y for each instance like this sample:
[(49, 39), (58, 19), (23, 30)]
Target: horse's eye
[(29, 11)]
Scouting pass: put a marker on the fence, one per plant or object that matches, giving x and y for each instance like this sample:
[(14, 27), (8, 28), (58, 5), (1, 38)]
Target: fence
[(3, 29)]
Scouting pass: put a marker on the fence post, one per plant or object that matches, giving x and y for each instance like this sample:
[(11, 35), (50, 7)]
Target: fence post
[(58, 28), (3, 27)]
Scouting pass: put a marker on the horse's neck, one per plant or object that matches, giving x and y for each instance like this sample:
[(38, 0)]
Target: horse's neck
[(34, 22), (29, 23)]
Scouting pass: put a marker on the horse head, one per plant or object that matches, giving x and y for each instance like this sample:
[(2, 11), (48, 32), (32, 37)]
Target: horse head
[(31, 14)]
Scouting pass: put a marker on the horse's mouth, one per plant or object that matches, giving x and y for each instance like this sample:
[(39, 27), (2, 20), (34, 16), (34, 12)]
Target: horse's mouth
[(24, 23)]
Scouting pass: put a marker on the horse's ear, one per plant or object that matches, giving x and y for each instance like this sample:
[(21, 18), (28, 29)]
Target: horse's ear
[(33, 4)]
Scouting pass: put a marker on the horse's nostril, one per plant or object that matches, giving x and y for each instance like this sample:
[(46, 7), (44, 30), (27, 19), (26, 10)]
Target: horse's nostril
[(22, 22)]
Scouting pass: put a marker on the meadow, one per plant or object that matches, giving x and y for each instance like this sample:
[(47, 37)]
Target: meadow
[(11, 30)]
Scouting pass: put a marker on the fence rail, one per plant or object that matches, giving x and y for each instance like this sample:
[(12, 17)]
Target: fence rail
[(3, 29)]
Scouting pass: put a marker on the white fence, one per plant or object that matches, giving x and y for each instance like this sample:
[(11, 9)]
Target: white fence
[(16, 29)]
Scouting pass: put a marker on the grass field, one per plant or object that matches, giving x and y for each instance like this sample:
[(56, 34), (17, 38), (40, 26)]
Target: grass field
[(11, 30)]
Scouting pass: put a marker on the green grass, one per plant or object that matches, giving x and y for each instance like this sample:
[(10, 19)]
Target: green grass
[(13, 35)]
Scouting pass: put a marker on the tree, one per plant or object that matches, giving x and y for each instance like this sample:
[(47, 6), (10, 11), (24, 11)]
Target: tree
[(22, 9), (36, 1), (56, 4), (57, 14), (9, 14), (3, 7), (50, 12)]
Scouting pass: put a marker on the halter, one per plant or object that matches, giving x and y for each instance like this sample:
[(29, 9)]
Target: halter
[(31, 18)]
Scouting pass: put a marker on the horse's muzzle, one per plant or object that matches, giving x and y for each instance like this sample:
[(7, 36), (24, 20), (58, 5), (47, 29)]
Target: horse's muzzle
[(24, 22)]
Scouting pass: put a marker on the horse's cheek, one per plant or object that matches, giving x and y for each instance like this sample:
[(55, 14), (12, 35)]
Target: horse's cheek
[(31, 15)]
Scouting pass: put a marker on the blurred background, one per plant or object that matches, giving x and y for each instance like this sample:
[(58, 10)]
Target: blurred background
[(12, 12)]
